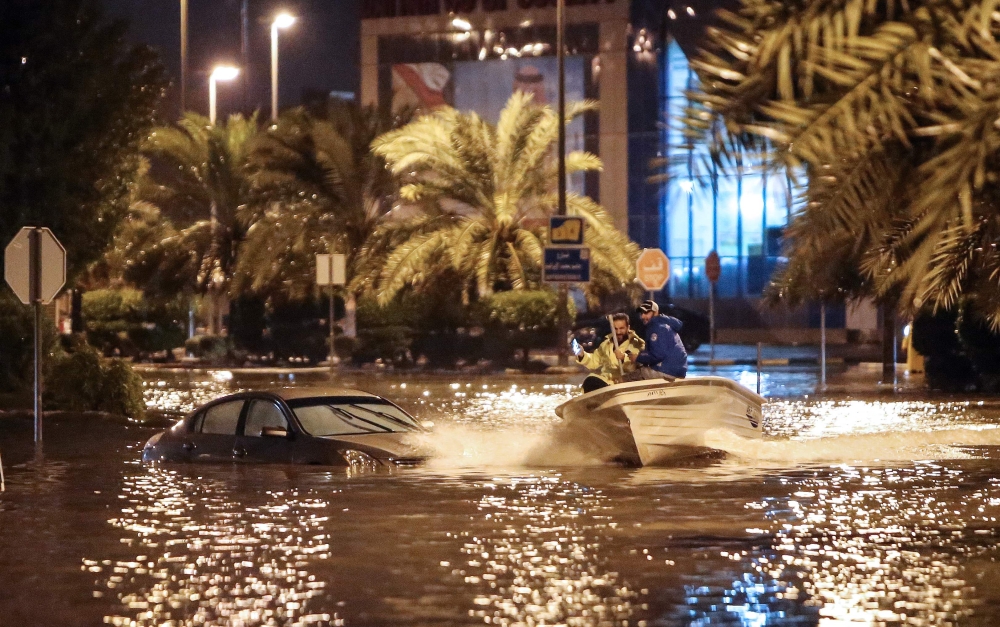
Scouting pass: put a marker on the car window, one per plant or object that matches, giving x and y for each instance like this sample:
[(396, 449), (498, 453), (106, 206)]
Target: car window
[(263, 414), (222, 419), (337, 416), (196, 421)]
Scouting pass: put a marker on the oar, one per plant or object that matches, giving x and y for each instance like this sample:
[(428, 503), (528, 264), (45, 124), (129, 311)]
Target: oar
[(614, 338)]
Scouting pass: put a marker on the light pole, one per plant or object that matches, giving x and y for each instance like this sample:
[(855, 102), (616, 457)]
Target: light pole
[(562, 314), (220, 73), (184, 54), (282, 20)]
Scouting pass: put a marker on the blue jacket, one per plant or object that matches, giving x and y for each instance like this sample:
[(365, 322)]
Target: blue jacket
[(664, 350)]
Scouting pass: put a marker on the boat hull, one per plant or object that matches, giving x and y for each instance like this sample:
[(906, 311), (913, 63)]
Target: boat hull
[(653, 422)]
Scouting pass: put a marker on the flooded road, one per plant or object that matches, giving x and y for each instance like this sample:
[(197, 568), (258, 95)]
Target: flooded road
[(853, 511)]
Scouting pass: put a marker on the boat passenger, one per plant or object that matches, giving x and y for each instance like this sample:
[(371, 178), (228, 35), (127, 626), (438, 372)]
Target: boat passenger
[(664, 353), (611, 363)]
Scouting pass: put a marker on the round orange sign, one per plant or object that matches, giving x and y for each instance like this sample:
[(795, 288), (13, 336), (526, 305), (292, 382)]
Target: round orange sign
[(652, 268)]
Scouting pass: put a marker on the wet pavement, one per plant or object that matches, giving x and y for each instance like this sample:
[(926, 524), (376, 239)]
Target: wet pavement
[(857, 509)]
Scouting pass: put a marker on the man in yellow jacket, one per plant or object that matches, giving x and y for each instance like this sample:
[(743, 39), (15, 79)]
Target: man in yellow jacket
[(609, 362)]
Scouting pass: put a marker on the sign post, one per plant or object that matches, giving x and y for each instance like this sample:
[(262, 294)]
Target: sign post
[(713, 268), (331, 270), (35, 268)]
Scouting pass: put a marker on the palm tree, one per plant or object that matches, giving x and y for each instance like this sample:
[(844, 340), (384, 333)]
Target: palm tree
[(200, 182), (889, 111), (317, 188), (481, 194)]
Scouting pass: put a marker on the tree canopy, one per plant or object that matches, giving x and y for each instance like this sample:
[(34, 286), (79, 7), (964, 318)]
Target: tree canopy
[(75, 102), (480, 196), (889, 110)]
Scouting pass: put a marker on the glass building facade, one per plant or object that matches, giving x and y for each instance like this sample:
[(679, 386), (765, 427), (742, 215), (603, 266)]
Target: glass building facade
[(741, 213)]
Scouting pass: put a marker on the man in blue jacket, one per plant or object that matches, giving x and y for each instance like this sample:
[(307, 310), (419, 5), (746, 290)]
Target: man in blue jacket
[(664, 352)]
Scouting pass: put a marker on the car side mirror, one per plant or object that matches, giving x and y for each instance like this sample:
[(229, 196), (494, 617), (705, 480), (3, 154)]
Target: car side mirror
[(274, 432)]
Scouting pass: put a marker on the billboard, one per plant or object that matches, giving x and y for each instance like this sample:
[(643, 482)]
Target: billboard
[(486, 86)]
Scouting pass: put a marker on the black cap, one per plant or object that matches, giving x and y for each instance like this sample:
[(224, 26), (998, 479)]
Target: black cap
[(648, 306)]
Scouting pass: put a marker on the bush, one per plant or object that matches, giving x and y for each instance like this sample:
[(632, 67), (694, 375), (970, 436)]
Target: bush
[(213, 348), (960, 351), (17, 347), (124, 322), (390, 344), (523, 309), (83, 380), (344, 346)]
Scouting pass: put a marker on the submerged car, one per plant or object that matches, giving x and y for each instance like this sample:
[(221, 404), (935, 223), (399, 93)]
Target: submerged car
[(327, 426)]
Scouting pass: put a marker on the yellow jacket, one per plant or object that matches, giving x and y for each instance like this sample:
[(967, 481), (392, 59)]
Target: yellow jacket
[(604, 360)]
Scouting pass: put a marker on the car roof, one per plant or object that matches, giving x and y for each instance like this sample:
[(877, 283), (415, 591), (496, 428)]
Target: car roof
[(289, 394)]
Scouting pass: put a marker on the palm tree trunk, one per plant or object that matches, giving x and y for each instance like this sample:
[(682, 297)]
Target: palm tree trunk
[(350, 315)]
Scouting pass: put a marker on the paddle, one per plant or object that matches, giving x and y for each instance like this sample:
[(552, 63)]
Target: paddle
[(614, 338)]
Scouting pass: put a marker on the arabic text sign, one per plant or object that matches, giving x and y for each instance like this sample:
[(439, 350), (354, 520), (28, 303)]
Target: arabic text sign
[(566, 265), (652, 268)]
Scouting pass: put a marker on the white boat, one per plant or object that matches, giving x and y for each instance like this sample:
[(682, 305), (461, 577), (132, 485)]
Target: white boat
[(643, 423)]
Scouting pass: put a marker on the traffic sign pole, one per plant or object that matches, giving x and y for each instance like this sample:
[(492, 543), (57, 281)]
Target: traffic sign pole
[(35, 272), (35, 268), (713, 268)]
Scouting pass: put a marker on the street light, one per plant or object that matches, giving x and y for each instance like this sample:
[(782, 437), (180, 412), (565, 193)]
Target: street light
[(184, 54), (282, 20), (220, 73)]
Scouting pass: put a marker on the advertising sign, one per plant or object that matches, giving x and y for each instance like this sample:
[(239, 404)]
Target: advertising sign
[(565, 231)]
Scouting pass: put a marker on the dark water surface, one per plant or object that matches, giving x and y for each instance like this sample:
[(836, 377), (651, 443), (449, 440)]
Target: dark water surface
[(874, 511)]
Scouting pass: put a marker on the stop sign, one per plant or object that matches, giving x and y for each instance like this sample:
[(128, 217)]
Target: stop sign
[(712, 266), (36, 257), (652, 268)]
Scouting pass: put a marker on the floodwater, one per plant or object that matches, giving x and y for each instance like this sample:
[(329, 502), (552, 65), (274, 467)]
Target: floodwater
[(879, 510)]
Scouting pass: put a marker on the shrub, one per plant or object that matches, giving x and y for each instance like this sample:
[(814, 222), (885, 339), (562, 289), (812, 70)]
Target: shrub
[(121, 390), (17, 348), (523, 309), (214, 348), (83, 380), (123, 321), (344, 346)]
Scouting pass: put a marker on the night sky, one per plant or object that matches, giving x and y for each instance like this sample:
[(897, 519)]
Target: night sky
[(319, 53)]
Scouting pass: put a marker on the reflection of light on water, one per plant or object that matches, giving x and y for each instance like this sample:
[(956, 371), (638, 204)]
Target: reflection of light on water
[(541, 566), (856, 546), (814, 419), (530, 407), (203, 559), (870, 546)]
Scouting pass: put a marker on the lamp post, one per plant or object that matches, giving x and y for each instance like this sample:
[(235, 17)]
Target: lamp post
[(184, 54), (562, 313), (220, 73), (282, 20)]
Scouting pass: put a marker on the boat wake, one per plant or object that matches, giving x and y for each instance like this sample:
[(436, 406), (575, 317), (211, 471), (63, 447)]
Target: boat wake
[(954, 443), (464, 447)]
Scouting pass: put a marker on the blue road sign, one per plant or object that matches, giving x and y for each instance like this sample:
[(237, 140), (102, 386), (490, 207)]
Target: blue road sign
[(566, 265), (565, 231)]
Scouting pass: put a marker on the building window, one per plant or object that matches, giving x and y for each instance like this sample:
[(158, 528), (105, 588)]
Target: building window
[(741, 213)]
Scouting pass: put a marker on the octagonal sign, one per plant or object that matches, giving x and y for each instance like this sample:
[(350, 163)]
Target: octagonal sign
[(35, 265), (652, 269)]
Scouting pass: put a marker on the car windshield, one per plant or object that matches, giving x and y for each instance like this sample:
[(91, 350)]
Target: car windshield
[(350, 416)]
